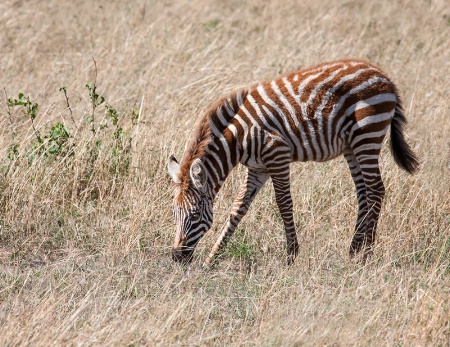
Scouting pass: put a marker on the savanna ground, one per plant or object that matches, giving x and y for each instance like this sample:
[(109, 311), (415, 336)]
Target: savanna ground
[(85, 217)]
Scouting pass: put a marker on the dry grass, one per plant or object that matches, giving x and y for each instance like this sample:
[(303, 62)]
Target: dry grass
[(85, 239)]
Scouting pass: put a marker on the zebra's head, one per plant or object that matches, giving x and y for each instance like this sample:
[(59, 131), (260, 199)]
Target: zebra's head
[(192, 207)]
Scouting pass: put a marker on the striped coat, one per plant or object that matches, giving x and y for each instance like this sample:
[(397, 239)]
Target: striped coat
[(342, 107)]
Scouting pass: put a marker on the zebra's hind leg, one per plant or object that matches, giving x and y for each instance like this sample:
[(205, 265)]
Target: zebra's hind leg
[(374, 194), (358, 180), (251, 185)]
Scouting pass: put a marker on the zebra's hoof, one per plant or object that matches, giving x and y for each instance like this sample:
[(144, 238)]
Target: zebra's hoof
[(290, 260), (207, 265), (355, 249)]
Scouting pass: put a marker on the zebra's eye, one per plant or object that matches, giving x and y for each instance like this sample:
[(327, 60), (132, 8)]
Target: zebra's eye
[(195, 215)]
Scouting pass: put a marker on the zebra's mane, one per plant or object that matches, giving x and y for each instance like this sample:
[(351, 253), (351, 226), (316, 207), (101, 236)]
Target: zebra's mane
[(227, 107)]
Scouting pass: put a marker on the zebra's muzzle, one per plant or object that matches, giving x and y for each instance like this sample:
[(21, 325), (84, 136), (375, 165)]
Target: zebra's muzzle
[(182, 254)]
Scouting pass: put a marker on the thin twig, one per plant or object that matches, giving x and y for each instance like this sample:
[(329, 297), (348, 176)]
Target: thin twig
[(64, 89), (13, 133), (94, 101)]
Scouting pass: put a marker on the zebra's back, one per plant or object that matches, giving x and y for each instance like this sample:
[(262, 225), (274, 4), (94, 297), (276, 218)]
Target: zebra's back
[(317, 112)]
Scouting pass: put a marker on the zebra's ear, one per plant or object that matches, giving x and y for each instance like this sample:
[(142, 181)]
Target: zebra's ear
[(174, 169), (198, 174)]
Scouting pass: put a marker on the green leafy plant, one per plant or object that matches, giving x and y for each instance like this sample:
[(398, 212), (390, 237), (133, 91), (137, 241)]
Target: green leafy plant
[(106, 149), (30, 111), (58, 138), (54, 143)]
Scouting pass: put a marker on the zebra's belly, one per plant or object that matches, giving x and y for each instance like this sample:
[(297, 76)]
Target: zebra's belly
[(301, 148), (320, 151)]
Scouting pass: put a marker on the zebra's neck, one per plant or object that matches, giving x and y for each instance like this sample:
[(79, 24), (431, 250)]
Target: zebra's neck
[(215, 141), (220, 158)]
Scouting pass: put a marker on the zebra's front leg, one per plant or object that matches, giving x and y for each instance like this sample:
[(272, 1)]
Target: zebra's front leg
[(281, 183), (251, 185)]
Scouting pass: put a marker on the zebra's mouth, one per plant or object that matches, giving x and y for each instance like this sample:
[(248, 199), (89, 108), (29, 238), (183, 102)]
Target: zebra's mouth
[(182, 254)]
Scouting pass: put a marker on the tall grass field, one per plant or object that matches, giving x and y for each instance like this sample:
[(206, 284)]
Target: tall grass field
[(96, 95)]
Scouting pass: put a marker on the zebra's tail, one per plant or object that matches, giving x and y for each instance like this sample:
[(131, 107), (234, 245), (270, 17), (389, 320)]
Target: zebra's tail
[(402, 153)]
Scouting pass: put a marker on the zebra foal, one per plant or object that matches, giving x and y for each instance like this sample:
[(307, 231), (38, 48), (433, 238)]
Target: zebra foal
[(341, 107)]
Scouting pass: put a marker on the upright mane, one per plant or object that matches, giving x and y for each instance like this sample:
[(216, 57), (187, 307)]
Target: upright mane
[(226, 107)]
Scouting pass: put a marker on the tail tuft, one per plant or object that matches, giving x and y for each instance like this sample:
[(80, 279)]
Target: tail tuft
[(402, 153)]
